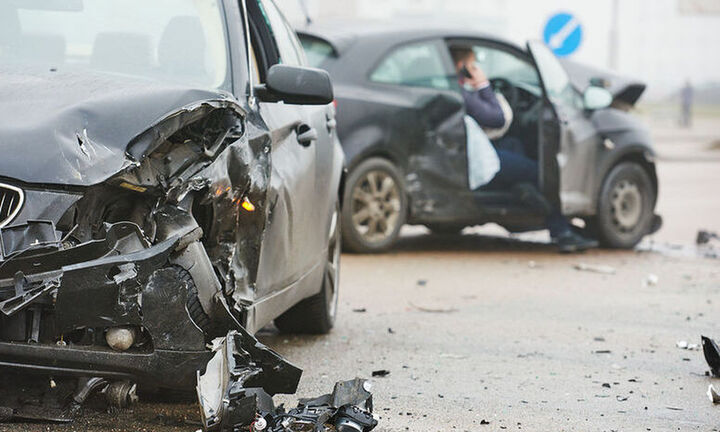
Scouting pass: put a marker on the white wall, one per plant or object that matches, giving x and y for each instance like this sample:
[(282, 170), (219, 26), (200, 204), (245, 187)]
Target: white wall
[(658, 42)]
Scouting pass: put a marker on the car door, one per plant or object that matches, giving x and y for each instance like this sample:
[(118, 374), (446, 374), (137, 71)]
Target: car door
[(290, 247), (429, 125), (569, 141)]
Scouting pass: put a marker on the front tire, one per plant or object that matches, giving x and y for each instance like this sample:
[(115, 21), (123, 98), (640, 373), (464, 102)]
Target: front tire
[(316, 314), (626, 206), (374, 207)]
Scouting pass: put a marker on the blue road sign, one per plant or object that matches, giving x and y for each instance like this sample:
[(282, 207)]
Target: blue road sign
[(563, 34)]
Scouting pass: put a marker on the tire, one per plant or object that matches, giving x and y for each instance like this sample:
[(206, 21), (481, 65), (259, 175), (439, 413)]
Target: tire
[(373, 215), (316, 314), (445, 229), (626, 207), (194, 307)]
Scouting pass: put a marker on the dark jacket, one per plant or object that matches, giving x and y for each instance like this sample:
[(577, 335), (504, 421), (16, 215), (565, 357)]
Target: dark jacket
[(483, 106)]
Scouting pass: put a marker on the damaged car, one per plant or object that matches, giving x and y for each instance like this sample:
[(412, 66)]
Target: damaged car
[(170, 173), (401, 123)]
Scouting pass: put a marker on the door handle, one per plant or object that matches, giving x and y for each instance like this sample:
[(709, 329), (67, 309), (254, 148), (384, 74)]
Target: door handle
[(306, 135), (331, 124)]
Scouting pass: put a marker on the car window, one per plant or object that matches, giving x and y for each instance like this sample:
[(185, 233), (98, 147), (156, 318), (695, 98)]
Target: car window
[(555, 79), (418, 65), (289, 48), (316, 50), (497, 63), (181, 41)]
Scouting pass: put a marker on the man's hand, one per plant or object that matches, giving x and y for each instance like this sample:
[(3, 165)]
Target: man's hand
[(478, 79)]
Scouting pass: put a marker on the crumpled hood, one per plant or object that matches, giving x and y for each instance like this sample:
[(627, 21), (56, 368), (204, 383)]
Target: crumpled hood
[(624, 89), (73, 128)]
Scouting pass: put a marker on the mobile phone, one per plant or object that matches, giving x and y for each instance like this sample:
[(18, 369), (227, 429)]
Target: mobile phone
[(465, 72)]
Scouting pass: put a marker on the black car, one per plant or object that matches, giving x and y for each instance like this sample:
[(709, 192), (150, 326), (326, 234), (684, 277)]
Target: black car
[(163, 181), (400, 121)]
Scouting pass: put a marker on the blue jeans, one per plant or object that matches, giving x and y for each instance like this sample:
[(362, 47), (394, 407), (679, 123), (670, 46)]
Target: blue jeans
[(516, 168)]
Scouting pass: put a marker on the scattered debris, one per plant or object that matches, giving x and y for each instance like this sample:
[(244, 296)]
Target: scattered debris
[(602, 352), (675, 408), (622, 398), (686, 346), (382, 373), (606, 385), (434, 309), (650, 280), (532, 264), (422, 282), (484, 422), (704, 237), (599, 339), (360, 310), (602, 269), (390, 330), (453, 356), (713, 395), (712, 355), (236, 394)]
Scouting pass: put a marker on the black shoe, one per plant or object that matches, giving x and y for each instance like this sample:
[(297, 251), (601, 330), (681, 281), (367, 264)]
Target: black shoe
[(570, 242)]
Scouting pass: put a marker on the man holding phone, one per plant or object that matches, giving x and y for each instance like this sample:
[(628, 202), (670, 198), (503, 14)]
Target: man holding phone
[(517, 171)]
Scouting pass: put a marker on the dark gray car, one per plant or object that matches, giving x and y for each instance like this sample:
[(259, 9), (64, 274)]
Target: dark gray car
[(400, 120), (163, 182)]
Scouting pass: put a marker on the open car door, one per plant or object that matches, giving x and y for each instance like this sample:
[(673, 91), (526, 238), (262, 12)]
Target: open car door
[(568, 141)]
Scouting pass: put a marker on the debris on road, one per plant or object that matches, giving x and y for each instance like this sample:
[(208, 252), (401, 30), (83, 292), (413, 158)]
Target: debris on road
[(360, 310), (713, 395), (382, 373), (650, 280), (429, 309), (704, 237), (686, 346), (593, 268), (712, 355), (235, 393)]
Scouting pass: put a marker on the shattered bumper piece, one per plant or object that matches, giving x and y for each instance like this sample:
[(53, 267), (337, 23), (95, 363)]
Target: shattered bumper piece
[(235, 393)]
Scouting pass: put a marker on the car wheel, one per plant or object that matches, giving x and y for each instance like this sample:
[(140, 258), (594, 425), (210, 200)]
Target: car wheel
[(445, 229), (374, 207), (316, 314), (626, 206)]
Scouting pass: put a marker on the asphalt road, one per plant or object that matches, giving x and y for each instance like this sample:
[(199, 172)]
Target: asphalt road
[(486, 328)]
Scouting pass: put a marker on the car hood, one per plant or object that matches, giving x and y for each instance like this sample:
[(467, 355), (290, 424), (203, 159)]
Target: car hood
[(624, 89), (73, 127)]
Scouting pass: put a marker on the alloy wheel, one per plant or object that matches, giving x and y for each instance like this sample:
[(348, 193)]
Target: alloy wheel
[(375, 206)]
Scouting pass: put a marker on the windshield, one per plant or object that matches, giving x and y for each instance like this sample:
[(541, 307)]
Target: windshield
[(182, 41)]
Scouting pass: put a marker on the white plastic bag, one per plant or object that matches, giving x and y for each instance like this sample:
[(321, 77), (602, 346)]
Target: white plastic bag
[(483, 161)]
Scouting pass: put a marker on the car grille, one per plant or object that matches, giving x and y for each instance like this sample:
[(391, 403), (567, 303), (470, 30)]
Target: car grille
[(11, 199)]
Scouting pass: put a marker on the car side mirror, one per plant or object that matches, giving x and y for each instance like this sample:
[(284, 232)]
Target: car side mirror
[(596, 98), (296, 85)]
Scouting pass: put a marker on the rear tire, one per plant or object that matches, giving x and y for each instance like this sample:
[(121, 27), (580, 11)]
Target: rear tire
[(374, 207), (626, 207), (316, 314)]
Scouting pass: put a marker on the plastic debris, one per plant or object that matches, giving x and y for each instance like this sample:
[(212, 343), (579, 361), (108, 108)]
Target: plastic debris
[(593, 268), (713, 395)]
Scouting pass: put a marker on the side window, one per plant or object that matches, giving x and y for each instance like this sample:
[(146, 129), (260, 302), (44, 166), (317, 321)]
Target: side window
[(501, 64), (289, 48), (417, 65)]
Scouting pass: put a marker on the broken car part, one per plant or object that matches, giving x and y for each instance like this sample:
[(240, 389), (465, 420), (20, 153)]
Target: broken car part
[(235, 393), (712, 355)]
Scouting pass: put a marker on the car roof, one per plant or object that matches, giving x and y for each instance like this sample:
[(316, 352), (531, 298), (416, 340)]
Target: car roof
[(343, 34)]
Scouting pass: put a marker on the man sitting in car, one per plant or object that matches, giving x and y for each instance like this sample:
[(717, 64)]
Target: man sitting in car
[(517, 171)]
